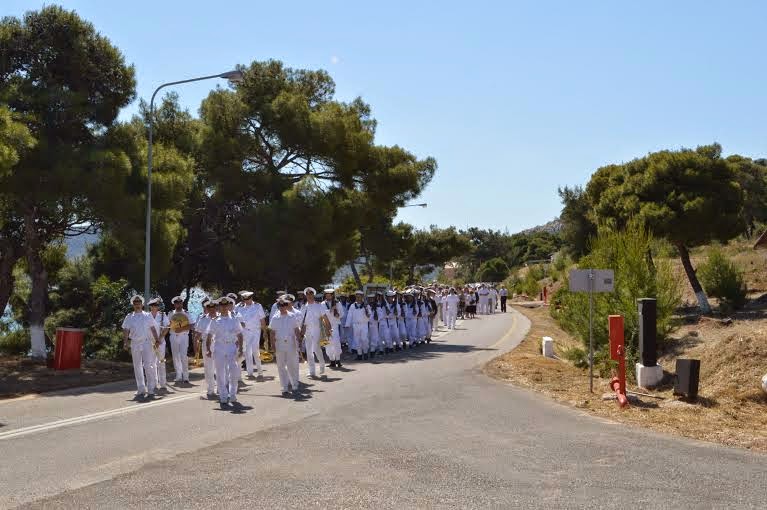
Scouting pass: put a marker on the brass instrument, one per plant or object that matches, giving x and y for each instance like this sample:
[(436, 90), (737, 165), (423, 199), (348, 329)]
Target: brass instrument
[(325, 334), (178, 320)]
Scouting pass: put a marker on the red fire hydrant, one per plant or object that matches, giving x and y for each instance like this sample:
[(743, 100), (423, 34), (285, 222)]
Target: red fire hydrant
[(618, 353)]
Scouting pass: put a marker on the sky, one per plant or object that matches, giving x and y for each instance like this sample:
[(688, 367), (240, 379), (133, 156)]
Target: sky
[(513, 99)]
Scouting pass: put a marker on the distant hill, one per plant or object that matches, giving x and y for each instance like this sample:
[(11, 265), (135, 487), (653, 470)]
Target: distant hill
[(78, 246), (552, 227)]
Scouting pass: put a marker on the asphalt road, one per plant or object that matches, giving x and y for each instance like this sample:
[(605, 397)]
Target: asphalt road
[(422, 429)]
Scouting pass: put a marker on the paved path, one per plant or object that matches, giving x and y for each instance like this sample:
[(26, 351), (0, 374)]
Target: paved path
[(425, 429)]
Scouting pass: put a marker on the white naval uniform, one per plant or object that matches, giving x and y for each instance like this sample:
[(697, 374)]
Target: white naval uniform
[(161, 322), (450, 304), (411, 321), (424, 321), (286, 349), (333, 349), (384, 321), (225, 330), (484, 298), (179, 348), (310, 317), (209, 366), (357, 318), (493, 300), (139, 326), (251, 316), (374, 339), (401, 324)]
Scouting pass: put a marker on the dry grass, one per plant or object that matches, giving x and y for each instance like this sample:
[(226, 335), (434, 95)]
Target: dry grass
[(21, 376), (731, 409)]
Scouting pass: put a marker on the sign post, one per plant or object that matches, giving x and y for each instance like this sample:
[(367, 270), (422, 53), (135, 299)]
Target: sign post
[(591, 281)]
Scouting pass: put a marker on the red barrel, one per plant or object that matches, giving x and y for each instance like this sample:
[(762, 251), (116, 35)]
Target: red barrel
[(69, 345)]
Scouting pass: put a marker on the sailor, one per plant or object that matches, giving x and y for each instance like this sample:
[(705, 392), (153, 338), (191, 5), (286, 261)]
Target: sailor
[(373, 338), (388, 323), (274, 308), (163, 326), (284, 331), (179, 340), (451, 308), (140, 335), (314, 316), (227, 331), (253, 320), (484, 300), (335, 315), (300, 301), (431, 304), (411, 312), (493, 299), (358, 318), (423, 323), (208, 315)]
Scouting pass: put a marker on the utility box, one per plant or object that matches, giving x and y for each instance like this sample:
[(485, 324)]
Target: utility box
[(648, 331), (687, 378), (547, 346)]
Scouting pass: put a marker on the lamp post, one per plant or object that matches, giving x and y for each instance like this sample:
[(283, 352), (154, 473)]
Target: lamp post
[(232, 76), (391, 264)]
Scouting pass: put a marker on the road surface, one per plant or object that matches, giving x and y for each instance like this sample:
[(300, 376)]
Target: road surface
[(422, 429)]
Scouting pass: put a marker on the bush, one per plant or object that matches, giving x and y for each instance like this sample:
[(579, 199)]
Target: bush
[(15, 342), (635, 277), (721, 279), (493, 270)]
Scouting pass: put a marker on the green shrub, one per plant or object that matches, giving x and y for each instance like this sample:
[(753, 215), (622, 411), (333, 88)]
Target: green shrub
[(635, 277), (15, 342), (493, 270), (721, 279)]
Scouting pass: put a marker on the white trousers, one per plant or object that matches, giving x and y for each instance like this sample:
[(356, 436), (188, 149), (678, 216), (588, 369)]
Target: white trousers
[(227, 371), (411, 323), (252, 350), (384, 331), (179, 345), (287, 368), (360, 331), (144, 360), (402, 330), (209, 366), (312, 342), (333, 349), (162, 373), (373, 338), (450, 316)]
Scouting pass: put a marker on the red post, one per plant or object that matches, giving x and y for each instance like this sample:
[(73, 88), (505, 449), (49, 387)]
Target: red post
[(618, 353)]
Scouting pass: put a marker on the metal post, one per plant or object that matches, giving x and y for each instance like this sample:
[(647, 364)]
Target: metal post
[(591, 330), (230, 75)]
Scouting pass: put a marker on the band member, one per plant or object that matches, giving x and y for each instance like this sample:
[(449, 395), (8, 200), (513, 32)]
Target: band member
[(140, 335), (383, 324), (179, 341), (358, 318), (450, 304), (431, 304), (284, 332), (227, 332), (274, 309), (335, 316), (208, 315), (391, 321), (412, 312), (253, 320), (314, 316), (161, 322), (423, 322), (373, 338), (401, 324)]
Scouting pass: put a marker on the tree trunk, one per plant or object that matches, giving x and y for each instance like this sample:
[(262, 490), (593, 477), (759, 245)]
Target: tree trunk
[(694, 283), (369, 267), (39, 277), (356, 274)]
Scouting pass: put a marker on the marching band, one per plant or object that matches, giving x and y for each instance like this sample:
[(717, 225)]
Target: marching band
[(228, 333)]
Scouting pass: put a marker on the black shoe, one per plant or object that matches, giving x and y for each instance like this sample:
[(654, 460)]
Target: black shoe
[(428, 340), (359, 357), (338, 364), (372, 355), (365, 357), (398, 348), (224, 405)]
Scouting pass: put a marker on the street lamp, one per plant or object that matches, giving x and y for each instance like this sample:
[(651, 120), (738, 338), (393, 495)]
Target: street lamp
[(391, 264), (233, 76)]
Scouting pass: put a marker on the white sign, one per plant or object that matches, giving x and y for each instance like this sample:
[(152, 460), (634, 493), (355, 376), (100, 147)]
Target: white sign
[(603, 280)]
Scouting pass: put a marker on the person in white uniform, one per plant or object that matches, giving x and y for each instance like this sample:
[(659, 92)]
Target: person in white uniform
[(227, 332), (314, 316), (484, 298), (373, 337), (284, 331), (253, 320), (161, 322), (450, 304), (358, 318), (412, 311), (201, 327), (335, 315), (179, 341), (140, 335)]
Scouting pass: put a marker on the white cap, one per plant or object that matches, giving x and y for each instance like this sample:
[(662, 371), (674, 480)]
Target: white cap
[(245, 294), (310, 289), (177, 299), (134, 297), (155, 301), (232, 296), (329, 291)]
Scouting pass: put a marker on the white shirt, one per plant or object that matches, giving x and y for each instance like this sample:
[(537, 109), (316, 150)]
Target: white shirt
[(139, 326), (284, 327), (251, 315), (171, 314), (225, 329), (161, 322), (334, 321), (312, 313), (504, 292), (358, 314), (452, 302)]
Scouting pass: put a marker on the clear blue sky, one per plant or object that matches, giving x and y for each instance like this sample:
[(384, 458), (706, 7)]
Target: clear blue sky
[(512, 98)]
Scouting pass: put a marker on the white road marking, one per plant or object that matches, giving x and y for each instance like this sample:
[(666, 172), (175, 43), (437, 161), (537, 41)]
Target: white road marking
[(44, 427)]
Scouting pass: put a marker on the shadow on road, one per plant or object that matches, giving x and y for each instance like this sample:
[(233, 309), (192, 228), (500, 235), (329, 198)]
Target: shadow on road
[(435, 349)]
